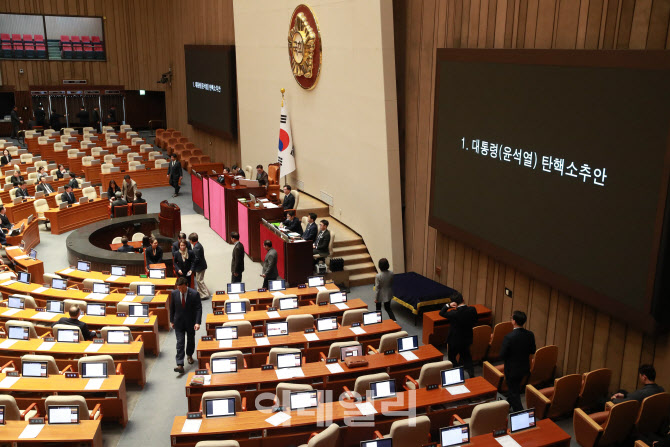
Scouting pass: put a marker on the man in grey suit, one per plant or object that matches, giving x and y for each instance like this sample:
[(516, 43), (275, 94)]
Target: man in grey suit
[(270, 272), (237, 265)]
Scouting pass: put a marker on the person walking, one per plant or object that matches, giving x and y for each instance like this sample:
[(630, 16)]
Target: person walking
[(198, 266), (185, 317), (384, 288), (270, 272), (237, 264), (462, 319), (16, 122), (175, 174), (516, 349)]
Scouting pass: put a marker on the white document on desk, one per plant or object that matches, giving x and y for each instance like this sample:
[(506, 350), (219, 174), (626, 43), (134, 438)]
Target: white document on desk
[(46, 346), (277, 294), (507, 441), (13, 247), (40, 290), (334, 368), (366, 408), (9, 282), (409, 355), (270, 205), (311, 337), (66, 272), (130, 320), (21, 257), (262, 341), (236, 316), (278, 418), (94, 384), (341, 306), (357, 330), (7, 382), (225, 344), (45, 315), (31, 431), (233, 296), (7, 343), (11, 312), (289, 373), (96, 296), (112, 278), (273, 314), (191, 426), (458, 389), (93, 347), (128, 298), (321, 289)]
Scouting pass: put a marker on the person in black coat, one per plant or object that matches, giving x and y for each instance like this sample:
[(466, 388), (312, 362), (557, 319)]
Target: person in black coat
[(310, 230), (185, 317), (96, 119), (54, 121), (138, 198), (68, 196), (292, 223), (21, 190), (16, 179), (6, 158), (647, 377), (175, 173), (199, 266), (516, 349), (261, 176), (83, 117), (113, 189), (73, 180), (182, 260), (45, 187), (322, 242), (462, 318), (237, 264), (61, 172), (154, 254), (112, 114), (74, 321), (289, 198), (40, 116), (175, 244), (125, 248), (4, 220), (16, 122)]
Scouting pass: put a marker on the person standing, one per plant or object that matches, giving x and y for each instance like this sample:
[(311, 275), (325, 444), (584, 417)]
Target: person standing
[(261, 176), (516, 349), (237, 265), (16, 122), (175, 244), (185, 317), (183, 260), (40, 116), (112, 114), (289, 198), (270, 272), (199, 266), (175, 174), (462, 318), (154, 255), (96, 119), (384, 288), (82, 115), (128, 188)]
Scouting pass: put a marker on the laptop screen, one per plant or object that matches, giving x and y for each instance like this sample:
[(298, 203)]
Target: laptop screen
[(338, 297), (2, 414), (33, 254), (350, 351), (372, 317), (326, 324), (34, 369), (56, 306), (118, 270), (58, 283), (316, 281), (15, 302), (521, 420), (138, 310), (96, 309), (408, 343), (288, 303), (84, 266), (94, 370), (382, 389), (226, 332), (277, 328), (216, 408), (223, 365), (18, 333), (236, 287), (24, 277), (236, 307), (276, 285), (384, 442), (453, 376), (63, 414), (288, 360), (118, 336), (157, 273), (101, 287), (456, 435), (146, 290), (301, 400), (68, 336)]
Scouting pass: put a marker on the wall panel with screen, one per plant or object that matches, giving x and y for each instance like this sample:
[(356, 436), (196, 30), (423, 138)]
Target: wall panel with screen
[(211, 88), (557, 162)]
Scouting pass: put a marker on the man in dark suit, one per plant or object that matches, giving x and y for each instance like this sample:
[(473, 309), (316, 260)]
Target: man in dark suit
[(261, 176), (73, 180), (54, 121), (74, 321), (462, 318), (270, 272), (82, 115), (21, 190), (175, 174), (40, 116), (112, 114), (198, 266), (96, 119), (138, 198), (68, 195), (44, 187), (322, 240), (175, 244), (310, 230), (185, 317), (292, 223), (289, 198), (16, 122), (647, 377), (516, 349), (237, 265), (4, 220), (125, 248), (119, 201), (16, 179)]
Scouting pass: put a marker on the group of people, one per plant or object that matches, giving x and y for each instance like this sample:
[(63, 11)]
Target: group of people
[(84, 117)]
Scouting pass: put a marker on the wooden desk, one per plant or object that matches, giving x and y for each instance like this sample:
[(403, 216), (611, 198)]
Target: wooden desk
[(148, 331), (130, 356), (34, 267), (87, 432), (295, 260), (149, 178), (222, 204), (260, 317), (265, 298), (435, 328), (249, 226), (21, 210), (116, 281), (252, 382), (256, 354), (159, 306), (545, 434), (302, 423), (6, 198), (77, 215), (30, 235), (114, 403)]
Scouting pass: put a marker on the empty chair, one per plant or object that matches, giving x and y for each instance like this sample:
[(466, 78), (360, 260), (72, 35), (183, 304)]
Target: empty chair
[(89, 192), (59, 327), (48, 277), (499, 332), (244, 328), (132, 166), (429, 375), (556, 401), (284, 390), (72, 153), (595, 388), (274, 352), (388, 342), (323, 296), (86, 161), (353, 316), (137, 237), (241, 362), (486, 418), (52, 368), (362, 384), (20, 323), (88, 283), (144, 148), (106, 168), (481, 336), (334, 351), (240, 403), (121, 211), (543, 366), (26, 158), (161, 163), (133, 285), (79, 401), (275, 300), (298, 323), (411, 432), (246, 302), (606, 428), (28, 301), (116, 240), (111, 368), (109, 158), (327, 438), (153, 155), (653, 414), (12, 411), (105, 329)]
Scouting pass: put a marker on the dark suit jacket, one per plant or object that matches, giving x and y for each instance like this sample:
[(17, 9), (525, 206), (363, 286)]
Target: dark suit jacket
[(310, 232), (4, 222), (175, 246), (182, 264), (322, 241), (262, 178), (119, 202), (139, 201), (185, 318), (4, 160), (154, 258), (111, 191), (68, 198), (15, 180), (59, 174), (237, 265), (16, 120), (289, 202), (40, 117), (294, 225), (126, 249), (461, 321), (270, 264), (20, 192), (199, 262), (83, 117), (88, 335), (644, 392), (96, 117), (74, 183), (516, 349), (42, 187), (175, 172)]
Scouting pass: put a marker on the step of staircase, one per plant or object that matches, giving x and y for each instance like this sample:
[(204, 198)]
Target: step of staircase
[(349, 250), (363, 267), (353, 259), (361, 279), (347, 243)]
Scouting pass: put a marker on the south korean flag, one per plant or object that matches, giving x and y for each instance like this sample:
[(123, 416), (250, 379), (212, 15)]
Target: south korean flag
[(285, 153)]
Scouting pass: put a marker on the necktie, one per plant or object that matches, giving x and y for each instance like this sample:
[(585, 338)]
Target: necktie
[(183, 301)]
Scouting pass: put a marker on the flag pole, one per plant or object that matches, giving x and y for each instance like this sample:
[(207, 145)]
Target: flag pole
[(283, 90)]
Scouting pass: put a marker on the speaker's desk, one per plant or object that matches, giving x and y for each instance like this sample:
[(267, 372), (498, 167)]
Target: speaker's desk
[(77, 215), (249, 226), (295, 258), (86, 432), (265, 298)]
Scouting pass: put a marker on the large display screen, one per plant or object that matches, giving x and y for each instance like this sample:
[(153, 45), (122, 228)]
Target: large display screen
[(211, 89), (557, 163)]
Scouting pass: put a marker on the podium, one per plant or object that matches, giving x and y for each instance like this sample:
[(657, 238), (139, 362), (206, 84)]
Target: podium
[(169, 220)]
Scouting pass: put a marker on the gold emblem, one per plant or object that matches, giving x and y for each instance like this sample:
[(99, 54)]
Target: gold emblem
[(304, 46)]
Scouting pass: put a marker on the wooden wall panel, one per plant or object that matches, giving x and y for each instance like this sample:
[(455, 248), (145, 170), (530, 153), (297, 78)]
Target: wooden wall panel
[(587, 339)]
